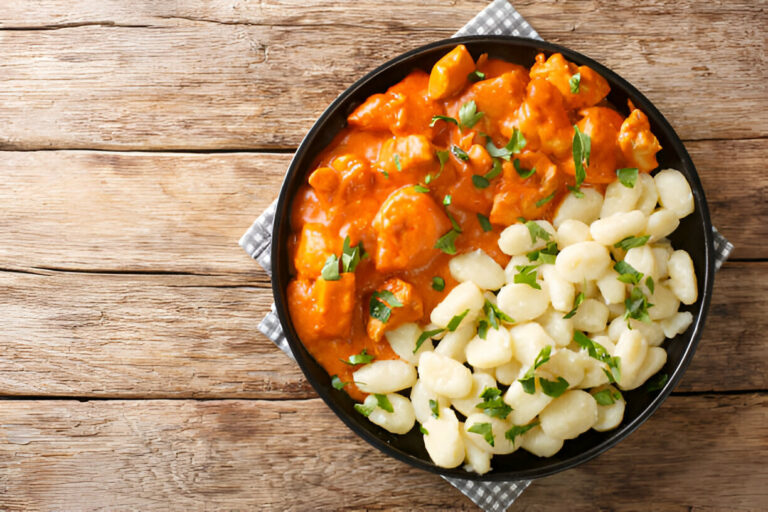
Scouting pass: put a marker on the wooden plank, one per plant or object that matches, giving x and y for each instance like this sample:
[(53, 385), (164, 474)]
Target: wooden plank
[(180, 75), (97, 335), (185, 212), (296, 455)]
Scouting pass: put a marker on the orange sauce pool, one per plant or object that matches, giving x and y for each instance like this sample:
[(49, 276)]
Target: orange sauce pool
[(397, 178)]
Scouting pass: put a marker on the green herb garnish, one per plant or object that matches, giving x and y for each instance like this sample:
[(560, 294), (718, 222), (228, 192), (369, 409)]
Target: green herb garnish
[(425, 336), (527, 275), (631, 242), (537, 232), (582, 147), (576, 303), (515, 145), (337, 383), (362, 358), (484, 222), (541, 202), (493, 405), (574, 82), (468, 115), (529, 380), (485, 430), (628, 176), (523, 173), (456, 320), (384, 402), (656, 382), (438, 283), (553, 388), (518, 430), (434, 407), (476, 76), (381, 303), (459, 153), (330, 270), (607, 396), (447, 119)]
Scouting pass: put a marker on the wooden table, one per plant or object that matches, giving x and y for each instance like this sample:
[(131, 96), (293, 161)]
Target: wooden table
[(139, 140)]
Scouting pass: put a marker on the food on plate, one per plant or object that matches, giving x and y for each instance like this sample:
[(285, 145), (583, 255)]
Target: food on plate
[(483, 251)]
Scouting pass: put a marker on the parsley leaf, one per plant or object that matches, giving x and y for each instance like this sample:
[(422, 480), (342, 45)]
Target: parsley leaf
[(362, 358), (468, 115), (330, 270), (637, 305), (447, 200), (493, 405), (494, 314), (421, 189), (484, 429), (553, 388), (337, 383), (434, 407), (576, 192), (459, 153), (396, 158), (656, 382), (529, 380), (495, 170), (447, 119), (423, 430), (582, 147), (476, 76), (527, 275), (607, 396), (350, 256), (515, 145), (546, 255), (364, 409), (597, 351), (442, 156), (482, 329), (447, 242), (632, 241), (384, 402), (537, 232), (380, 304), (518, 430), (627, 176), (484, 222), (456, 320), (425, 336), (574, 82), (576, 303), (438, 283), (480, 182), (627, 273), (649, 284), (541, 202), (523, 173)]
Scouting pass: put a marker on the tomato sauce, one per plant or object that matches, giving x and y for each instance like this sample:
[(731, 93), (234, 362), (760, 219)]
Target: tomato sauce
[(398, 178)]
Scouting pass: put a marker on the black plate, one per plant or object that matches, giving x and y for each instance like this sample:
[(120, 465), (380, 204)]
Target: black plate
[(694, 235)]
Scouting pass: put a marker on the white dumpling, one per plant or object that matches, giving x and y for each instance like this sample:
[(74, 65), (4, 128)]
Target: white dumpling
[(665, 303), (591, 316), (642, 259), (540, 444), (619, 199), (631, 350), (403, 342), (572, 413), (475, 458), (583, 260), (661, 223), (558, 328), (420, 399), (612, 290), (585, 209), (454, 343), (526, 406), (509, 372), (676, 324), (494, 350), (385, 376), (609, 416), (478, 267), (527, 341), (463, 297), (445, 376), (499, 427), (516, 239), (648, 197), (571, 232), (654, 360), (674, 192), (522, 302), (566, 364), (400, 420), (682, 277), (561, 292), (618, 227), (443, 440)]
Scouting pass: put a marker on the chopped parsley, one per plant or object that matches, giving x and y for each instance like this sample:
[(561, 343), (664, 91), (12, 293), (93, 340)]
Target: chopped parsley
[(484, 181), (582, 147), (482, 329), (576, 303), (476, 76), (628, 176), (396, 158), (330, 270), (381, 303), (456, 320), (484, 222), (527, 275), (537, 232), (362, 358), (529, 380), (523, 173), (350, 256), (447, 200), (384, 402), (649, 283), (494, 314), (480, 182), (597, 351), (447, 242), (541, 202), (485, 430), (434, 407), (468, 115), (423, 430), (447, 119), (546, 255), (493, 405), (574, 83), (425, 336), (607, 396), (459, 153), (637, 306), (627, 273), (518, 430), (337, 383), (365, 409), (421, 189), (442, 156), (438, 283), (632, 241), (515, 145), (553, 388)]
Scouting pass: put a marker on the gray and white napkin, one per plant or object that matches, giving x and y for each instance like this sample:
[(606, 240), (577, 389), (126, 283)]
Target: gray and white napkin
[(499, 17)]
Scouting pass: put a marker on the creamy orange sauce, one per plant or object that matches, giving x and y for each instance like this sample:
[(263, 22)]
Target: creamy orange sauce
[(362, 187)]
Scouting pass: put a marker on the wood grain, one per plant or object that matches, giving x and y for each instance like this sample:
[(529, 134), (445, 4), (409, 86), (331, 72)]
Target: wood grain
[(181, 75), (162, 212), (100, 335), (289, 455)]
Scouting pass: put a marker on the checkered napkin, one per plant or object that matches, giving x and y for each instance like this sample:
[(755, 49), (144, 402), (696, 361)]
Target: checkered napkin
[(498, 18)]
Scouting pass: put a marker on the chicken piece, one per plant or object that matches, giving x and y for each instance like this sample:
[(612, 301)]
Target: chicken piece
[(497, 67), (412, 308), (407, 226), (450, 74), (637, 143), (414, 154), (543, 119), (592, 88), (314, 246), (405, 108), (517, 197), (322, 309), (495, 97), (602, 124), (357, 178)]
